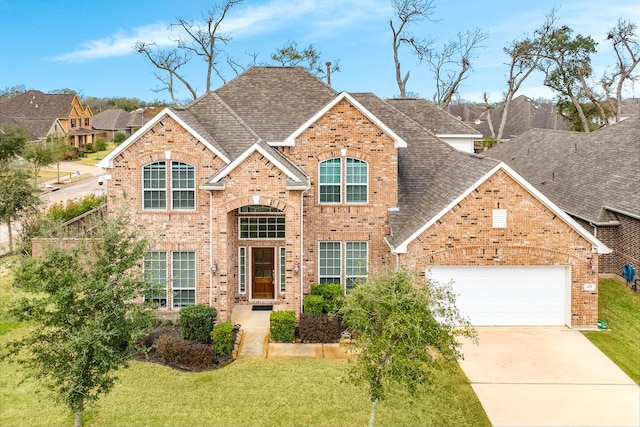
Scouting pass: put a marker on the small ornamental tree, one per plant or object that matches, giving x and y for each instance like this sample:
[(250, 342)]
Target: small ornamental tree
[(405, 327), (83, 312)]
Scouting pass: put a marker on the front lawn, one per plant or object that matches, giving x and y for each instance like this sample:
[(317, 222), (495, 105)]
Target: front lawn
[(620, 308), (247, 392)]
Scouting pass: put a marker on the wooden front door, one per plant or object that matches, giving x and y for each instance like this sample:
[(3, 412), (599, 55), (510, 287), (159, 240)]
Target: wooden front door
[(262, 273)]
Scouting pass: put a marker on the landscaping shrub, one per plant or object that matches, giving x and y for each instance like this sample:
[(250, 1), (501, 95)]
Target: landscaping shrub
[(74, 208), (184, 353), (313, 304), (88, 148), (282, 326), (119, 137), (100, 144), (222, 337), (322, 327), (196, 323), (332, 295)]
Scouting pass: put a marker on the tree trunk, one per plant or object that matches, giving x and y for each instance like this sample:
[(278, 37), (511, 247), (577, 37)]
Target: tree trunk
[(10, 235), (503, 119), (583, 118), (78, 420), (372, 417)]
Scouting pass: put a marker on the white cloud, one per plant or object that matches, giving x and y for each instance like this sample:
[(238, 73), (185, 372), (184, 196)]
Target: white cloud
[(120, 43)]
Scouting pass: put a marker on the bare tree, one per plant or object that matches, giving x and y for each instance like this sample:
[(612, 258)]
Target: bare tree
[(487, 105), (408, 12), (626, 45), (525, 55), (455, 53), (169, 61), (201, 39)]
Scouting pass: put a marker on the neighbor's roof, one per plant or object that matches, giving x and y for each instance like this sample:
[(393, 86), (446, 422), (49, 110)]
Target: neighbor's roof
[(588, 175)]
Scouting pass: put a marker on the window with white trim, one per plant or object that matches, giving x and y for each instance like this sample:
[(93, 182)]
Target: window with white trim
[(356, 261), (183, 269), (154, 186), (154, 270), (329, 262), (242, 270), (283, 270), (356, 181)]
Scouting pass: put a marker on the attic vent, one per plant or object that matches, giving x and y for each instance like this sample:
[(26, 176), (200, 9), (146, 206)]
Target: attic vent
[(499, 218)]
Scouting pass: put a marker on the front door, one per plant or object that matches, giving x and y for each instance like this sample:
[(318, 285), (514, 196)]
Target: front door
[(263, 273)]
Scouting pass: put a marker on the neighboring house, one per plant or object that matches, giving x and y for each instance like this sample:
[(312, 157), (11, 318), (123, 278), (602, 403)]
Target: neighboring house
[(275, 181), (593, 177), (442, 124), (524, 114), (42, 114), (109, 122)]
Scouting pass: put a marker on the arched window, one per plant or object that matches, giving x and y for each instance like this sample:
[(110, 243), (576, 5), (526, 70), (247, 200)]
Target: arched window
[(331, 184)]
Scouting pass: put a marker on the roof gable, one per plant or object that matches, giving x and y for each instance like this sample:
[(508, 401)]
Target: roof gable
[(107, 162), (598, 246), (398, 141), (433, 118)]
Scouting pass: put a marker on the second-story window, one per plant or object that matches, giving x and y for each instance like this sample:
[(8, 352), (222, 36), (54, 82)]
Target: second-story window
[(73, 123), (154, 186), (355, 184)]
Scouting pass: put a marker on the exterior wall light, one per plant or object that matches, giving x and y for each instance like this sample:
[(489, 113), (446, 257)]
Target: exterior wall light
[(296, 268)]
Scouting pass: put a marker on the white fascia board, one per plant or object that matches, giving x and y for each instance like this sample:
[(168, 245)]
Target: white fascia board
[(599, 247), (255, 147), (291, 139), (107, 162), (459, 135)]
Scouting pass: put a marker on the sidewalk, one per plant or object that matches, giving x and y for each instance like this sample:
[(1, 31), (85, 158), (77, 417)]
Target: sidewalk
[(255, 344)]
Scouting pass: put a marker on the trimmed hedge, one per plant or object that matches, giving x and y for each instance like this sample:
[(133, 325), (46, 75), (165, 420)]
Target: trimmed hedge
[(222, 337), (196, 323), (313, 304), (322, 328), (184, 353), (332, 296), (282, 326)]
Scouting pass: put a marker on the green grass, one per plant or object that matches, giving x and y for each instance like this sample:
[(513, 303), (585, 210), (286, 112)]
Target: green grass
[(620, 308), (91, 159), (294, 392)]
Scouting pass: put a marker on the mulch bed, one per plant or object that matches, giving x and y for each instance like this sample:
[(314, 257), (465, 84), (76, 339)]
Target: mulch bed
[(152, 356)]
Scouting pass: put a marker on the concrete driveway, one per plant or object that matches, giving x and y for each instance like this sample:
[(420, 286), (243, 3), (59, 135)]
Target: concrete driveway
[(548, 376)]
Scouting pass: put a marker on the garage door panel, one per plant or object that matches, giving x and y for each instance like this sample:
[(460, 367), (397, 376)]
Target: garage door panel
[(507, 296)]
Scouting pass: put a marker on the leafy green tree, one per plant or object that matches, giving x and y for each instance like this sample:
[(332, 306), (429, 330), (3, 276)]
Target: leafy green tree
[(290, 56), (85, 321), (12, 141), (17, 194), (567, 64), (405, 327), (40, 154), (119, 137)]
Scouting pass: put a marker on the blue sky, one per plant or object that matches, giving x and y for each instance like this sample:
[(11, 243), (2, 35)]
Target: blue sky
[(87, 45)]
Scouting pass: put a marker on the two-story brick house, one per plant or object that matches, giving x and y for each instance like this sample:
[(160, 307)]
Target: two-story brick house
[(275, 181), (45, 113)]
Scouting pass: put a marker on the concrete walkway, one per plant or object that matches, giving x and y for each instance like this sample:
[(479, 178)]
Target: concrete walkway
[(255, 343), (548, 376)]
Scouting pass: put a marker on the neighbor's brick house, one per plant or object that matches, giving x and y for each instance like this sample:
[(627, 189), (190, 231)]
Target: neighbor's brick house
[(275, 181)]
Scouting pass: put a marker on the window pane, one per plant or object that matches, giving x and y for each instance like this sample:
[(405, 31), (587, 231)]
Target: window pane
[(154, 268), (329, 185), (329, 262), (357, 180), (356, 258), (183, 186), (262, 227), (242, 274), (184, 278), (154, 184), (283, 270)]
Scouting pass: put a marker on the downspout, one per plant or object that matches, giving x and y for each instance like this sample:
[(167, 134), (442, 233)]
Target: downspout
[(210, 248), (302, 248)]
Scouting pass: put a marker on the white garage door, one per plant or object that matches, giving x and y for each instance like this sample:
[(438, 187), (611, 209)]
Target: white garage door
[(508, 296)]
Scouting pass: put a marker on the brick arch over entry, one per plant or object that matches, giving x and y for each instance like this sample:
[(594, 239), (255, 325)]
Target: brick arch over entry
[(263, 200), (344, 152)]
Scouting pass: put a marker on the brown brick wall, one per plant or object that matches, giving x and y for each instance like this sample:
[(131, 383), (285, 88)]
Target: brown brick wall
[(345, 130), (624, 240), (534, 236)]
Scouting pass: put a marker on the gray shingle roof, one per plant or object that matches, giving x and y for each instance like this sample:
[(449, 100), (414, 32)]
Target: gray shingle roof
[(431, 174), (582, 173), (37, 111), (275, 101), (111, 120), (432, 117)]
